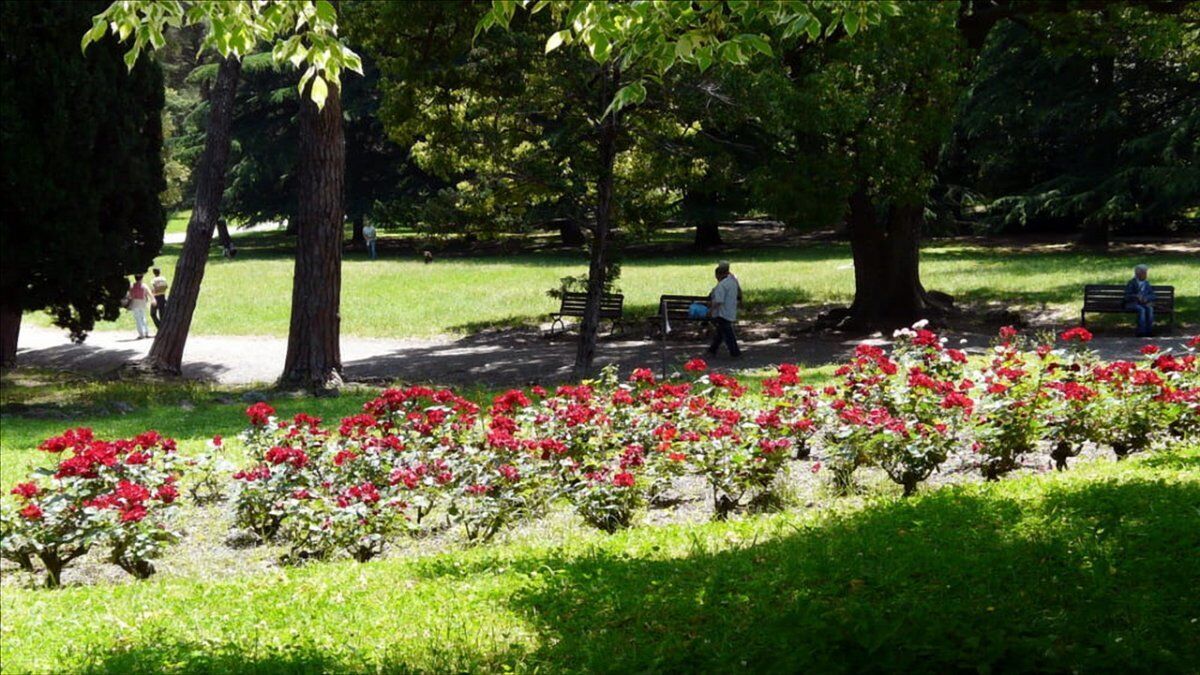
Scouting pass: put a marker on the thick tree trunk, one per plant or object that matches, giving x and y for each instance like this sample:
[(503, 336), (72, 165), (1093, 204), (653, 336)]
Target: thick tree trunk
[(708, 234), (314, 358), (166, 354), (10, 331), (570, 232), (598, 268), (887, 282), (1094, 235), (357, 240)]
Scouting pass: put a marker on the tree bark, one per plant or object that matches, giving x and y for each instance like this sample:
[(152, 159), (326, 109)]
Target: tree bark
[(223, 234), (10, 331), (887, 281), (570, 232), (166, 354), (357, 240), (598, 267), (708, 234), (314, 357)]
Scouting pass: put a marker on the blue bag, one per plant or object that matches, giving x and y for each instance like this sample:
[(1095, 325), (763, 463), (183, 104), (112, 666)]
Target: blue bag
[(697, 310)]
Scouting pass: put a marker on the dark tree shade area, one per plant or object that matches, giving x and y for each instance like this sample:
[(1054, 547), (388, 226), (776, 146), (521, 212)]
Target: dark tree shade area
[(81, 172)]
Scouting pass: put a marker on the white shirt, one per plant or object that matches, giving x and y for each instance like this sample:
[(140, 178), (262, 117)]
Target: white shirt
[(725, 299), (368, 232)]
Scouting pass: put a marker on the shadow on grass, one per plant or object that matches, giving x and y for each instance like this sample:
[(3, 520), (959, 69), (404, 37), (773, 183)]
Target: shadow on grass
[(1098, 576), (1101, 577)]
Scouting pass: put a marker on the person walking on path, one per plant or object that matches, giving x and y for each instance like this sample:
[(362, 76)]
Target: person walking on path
[(1139, 298), (371, 236), (158, 286), (723, 308), (139, 299)]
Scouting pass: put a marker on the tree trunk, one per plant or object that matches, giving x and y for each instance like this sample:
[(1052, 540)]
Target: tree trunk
[(597, 269), (223, 234), (314, 358), (10, 331), (357, 240), (166, 354), (1094, 234), (708, 234), (887, 281), (570, 232)]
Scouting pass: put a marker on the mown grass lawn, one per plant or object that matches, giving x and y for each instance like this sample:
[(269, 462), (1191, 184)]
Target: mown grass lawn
[(1093, 569), (398, 298)]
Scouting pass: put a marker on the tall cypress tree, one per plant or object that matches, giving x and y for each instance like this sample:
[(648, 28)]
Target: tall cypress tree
[(81, 169)]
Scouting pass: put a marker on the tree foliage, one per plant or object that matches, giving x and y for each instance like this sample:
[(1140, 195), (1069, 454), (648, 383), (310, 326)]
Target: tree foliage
[(81, 171), (1089, 117)]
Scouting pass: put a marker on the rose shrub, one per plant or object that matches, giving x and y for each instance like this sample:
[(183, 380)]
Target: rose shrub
[(118, 494), (609, 447)]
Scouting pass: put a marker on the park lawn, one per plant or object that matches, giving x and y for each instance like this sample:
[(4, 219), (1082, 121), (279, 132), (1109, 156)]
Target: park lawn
[(1091, 569), (177, 222), (399, 298)]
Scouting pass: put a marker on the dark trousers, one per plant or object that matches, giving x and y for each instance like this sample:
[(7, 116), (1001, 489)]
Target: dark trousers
[(156, 312), (724, 334)]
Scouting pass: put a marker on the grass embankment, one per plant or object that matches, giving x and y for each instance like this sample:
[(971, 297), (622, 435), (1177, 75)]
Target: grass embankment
[(1092, 569), (398, 298)]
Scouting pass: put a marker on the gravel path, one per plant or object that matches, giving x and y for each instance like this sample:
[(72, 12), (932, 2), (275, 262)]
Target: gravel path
[(497, 358)]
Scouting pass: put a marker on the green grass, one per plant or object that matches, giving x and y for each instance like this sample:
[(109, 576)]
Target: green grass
[(1094, 569), (399, 298), (177, 222)]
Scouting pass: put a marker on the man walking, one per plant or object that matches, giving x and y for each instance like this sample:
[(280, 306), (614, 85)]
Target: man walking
[(1139, 298), (723, 308), (371, 236), (159, 287)]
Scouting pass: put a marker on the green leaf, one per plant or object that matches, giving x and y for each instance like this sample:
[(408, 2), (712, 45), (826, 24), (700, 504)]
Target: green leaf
[(319, 92), (850, 21), (556, 40), (631, 94), (757, 42), (814, 29), (326, 12)]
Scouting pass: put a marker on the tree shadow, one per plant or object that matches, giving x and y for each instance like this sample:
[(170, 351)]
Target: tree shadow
[(1098, 578)]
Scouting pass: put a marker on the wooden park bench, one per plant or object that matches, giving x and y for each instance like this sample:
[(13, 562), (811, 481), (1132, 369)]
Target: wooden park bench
[(612, 306), (1110, 299), (676, 310)]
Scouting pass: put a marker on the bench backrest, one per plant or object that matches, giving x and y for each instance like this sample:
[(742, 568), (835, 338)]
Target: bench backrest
[(574, 304), (676, 307), (1111, 297)]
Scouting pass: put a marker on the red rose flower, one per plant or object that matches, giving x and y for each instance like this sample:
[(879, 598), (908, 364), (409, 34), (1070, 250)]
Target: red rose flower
[(623, 479), (31, 512), (26, 490), (1078, 333), (695, 366), (259, 414)]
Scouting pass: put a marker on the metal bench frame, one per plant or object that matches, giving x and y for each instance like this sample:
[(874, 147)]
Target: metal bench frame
[(1110, 299)]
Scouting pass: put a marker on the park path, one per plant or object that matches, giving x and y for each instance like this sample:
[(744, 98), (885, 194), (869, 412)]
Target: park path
[(499, 358)]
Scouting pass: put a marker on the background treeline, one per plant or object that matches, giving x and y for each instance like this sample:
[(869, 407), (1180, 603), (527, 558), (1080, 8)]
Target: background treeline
[(1081, 118)]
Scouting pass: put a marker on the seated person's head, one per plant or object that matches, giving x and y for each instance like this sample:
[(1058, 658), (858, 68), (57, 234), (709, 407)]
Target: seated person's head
[(1141, 271)]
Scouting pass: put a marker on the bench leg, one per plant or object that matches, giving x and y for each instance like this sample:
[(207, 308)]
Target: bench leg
[(1083, 319), (559, 321)]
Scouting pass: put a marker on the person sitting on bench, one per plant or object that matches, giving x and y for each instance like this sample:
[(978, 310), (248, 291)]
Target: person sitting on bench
[(1139, 297)]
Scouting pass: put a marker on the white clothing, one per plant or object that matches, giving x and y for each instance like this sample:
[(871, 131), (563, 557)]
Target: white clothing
[(139, 317), (369, 232), (725, 299)]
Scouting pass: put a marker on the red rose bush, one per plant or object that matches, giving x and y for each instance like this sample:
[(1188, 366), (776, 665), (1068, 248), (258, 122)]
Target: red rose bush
[(120, 495)]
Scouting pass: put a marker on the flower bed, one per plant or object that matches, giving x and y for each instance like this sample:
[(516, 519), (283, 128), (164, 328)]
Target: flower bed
[(610, 448)]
